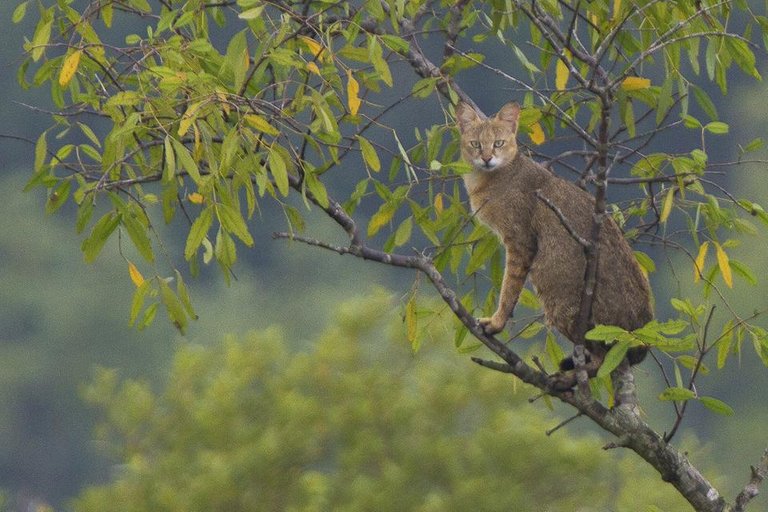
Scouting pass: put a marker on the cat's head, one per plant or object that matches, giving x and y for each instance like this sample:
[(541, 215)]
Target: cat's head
[(490, 143)]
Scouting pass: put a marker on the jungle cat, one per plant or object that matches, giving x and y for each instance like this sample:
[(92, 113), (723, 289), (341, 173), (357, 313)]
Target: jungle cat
[(502, 188)]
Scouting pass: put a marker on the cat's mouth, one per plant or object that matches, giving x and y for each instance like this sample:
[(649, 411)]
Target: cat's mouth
[(487, 165)]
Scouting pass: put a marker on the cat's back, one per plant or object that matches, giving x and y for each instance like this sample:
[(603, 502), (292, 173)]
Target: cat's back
[(622, 292)]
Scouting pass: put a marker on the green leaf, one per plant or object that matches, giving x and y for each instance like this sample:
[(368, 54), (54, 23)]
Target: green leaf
[(41, 152), (252, 13), (613, 358), (530, 66), (370, 157), (743, 56), (186, 160), (481, 253), (684, 307), (279, 170), (690, 362), (645, 261), (226, 252), (424, 87), (403, 232), (170, 159), (382, 217), (380, 65), (531, 330), (724, 344), (138, 300), (395, 43), (706, 104), (137, 232), (295, 220), (58, 196), (317, 188), (99, 235), (181, 291), (677, 394), (665, 101), (718, 406), (232, 221), (148, 317), (173, 306), (552, 348), (42, 36), (744, 271), (628, 116), (19, 12), (528, 299), (197, 233), (754, 145), (605, 333), (691, 122), (84, 214), (716, 127)]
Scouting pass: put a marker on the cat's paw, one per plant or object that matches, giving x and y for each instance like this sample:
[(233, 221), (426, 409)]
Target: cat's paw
[(492, 325)]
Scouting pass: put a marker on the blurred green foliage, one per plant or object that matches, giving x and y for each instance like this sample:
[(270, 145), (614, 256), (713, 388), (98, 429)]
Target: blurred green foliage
[(355, 423)]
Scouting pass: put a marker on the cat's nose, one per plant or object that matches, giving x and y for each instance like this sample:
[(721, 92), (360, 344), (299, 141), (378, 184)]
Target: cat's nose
[(487, 161)]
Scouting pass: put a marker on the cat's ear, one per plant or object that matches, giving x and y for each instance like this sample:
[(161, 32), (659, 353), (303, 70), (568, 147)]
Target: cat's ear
[(510, 114), (465, 116)]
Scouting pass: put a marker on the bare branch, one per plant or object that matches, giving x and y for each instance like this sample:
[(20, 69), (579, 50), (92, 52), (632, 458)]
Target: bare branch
[(759, 473), (563, 220)]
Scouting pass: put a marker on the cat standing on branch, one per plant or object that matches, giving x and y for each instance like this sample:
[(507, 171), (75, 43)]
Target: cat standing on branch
[(544, 223)]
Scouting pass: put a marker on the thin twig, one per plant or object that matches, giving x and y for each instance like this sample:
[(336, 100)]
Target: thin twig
[(563, 220)]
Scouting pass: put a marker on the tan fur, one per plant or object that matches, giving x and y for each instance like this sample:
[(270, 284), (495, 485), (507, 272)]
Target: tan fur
[(502, 191)]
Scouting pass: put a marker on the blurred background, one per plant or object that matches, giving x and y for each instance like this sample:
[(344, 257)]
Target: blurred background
[(61, 320)]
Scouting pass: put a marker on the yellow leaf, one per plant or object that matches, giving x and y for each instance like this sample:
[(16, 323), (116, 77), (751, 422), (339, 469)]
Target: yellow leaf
[(634, 83), (195, 198), (380, 219), (561, 75), (314, 47), (136, 276), (312, 67), (69, 68), (188, 118), (537, 134), (223, 102), (698, 266), (439, 203), (724, 264), (184, 125), (561, 72), (666, 208), (616, 9), (353, 88), (261, 124)]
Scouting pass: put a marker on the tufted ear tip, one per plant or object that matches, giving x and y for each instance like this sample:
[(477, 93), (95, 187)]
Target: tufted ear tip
[(465, 115), (510, 113)]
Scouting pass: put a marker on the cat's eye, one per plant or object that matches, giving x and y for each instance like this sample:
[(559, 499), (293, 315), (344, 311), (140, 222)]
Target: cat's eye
[(498, 143), (475, 144)]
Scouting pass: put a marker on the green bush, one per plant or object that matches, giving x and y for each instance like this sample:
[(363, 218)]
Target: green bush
[(356, 423)]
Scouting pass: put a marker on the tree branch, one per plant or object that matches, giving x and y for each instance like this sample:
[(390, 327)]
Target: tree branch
[(759, 473), (583, 242)]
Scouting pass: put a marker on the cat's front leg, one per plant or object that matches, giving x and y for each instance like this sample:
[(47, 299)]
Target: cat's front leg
[(515, 271)]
